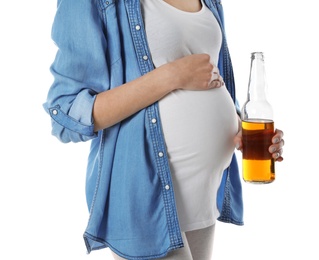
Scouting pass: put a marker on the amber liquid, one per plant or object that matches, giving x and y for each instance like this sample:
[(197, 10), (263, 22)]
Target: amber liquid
[(258, 164)]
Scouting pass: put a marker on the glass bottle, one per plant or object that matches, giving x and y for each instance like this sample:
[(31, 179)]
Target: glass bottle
[(257, 126)]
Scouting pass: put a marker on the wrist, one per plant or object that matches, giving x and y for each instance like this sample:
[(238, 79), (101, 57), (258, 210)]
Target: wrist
[(171, 76)]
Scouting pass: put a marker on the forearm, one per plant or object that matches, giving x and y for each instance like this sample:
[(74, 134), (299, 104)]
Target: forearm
[(114, 105)]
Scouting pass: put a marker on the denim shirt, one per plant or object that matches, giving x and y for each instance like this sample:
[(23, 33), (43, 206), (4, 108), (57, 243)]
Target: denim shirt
[(101, 45)]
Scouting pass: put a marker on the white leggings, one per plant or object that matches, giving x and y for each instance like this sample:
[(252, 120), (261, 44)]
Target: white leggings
[(198, 245)]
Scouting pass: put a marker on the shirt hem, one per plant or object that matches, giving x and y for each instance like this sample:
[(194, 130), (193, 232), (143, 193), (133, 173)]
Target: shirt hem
[(88, 238), (197, 225)]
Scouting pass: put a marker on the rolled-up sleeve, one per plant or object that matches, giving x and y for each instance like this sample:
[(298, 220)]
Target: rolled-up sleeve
[(79, 69)]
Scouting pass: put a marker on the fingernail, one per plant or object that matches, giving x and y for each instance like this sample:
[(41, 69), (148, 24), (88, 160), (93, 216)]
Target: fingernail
[(273, 149), (237, 146), (276, 140)]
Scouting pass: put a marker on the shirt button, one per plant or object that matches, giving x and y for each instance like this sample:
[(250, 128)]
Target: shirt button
[(160, 154), (145, 57), (55, 112), (154, 120), (137, 27), (167, 187)]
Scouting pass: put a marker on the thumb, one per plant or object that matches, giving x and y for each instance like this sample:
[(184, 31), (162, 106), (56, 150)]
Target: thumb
[(238, 141)]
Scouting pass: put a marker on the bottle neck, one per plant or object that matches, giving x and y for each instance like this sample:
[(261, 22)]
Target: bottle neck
[(257, 87)]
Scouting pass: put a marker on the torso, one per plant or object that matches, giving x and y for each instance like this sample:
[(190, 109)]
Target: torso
[(198, 126)]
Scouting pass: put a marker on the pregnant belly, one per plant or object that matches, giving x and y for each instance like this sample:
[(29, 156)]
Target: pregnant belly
[(199, 127)]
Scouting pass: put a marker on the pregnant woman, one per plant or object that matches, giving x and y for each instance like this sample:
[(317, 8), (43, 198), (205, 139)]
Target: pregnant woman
[(150, 84)]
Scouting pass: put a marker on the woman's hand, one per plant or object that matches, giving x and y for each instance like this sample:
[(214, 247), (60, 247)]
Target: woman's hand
[(195, 72), (276, 149)]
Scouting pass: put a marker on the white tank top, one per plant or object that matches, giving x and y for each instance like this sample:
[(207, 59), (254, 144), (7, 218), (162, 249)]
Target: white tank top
[(198, 126)]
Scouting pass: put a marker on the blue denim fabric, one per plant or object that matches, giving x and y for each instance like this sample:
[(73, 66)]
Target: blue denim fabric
[(130, 196)]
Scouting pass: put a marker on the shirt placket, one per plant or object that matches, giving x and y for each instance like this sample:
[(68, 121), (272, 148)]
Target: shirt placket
[(152, 112)]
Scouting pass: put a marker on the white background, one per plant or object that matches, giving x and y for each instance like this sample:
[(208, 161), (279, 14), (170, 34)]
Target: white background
[(43, 210)]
